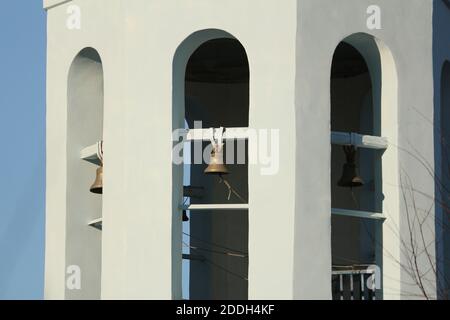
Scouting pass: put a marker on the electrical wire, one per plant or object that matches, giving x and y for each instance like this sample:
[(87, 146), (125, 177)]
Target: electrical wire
[(230, 254), (212, 244), (226, 270), (217, 265)]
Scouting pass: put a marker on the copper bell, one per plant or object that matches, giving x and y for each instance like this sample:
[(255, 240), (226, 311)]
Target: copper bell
[(216, 166), (97, 186), (350, 177), (185, 216)]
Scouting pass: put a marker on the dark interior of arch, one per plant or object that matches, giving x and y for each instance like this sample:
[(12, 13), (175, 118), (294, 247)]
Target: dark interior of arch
[(443, 190), (218, 67), (217, 93), (347, 62), (353, 110)]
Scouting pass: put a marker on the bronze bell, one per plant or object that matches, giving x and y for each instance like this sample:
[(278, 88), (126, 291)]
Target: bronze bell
[(216, 166), (350, 177), (97, 186), (185, 216)]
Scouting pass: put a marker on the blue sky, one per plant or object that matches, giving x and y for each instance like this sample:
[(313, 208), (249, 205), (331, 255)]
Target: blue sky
[(22, 161)]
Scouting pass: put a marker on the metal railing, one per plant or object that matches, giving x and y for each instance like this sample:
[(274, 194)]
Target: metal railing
[(359, 282)]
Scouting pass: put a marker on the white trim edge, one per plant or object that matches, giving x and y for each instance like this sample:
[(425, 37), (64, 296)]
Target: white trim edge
[(358, 214)]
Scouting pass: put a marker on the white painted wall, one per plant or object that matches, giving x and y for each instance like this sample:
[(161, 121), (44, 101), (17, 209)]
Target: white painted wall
[(406, 35)]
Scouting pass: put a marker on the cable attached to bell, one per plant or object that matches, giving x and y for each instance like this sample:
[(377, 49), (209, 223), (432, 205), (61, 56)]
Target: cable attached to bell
[(231, 190), (230, 254)]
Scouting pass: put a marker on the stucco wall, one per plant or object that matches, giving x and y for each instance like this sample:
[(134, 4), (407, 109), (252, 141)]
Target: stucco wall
[(289, 47), (406, 34), (137, 57)]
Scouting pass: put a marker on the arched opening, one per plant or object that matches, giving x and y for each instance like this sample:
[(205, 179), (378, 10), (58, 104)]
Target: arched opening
[(443, 188), (84, 128), (215, 94), (358, 155)]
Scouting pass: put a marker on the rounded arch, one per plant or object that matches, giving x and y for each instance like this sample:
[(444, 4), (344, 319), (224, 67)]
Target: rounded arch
[(179, 64), (383, 73), (382, 69), (377, 62), (85, 94), (210, 83), (85, 100)]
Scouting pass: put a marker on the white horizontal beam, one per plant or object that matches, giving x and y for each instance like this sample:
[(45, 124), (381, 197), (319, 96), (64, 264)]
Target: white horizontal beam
[(358, 214), (204, 207), (97, 223), (359, 140), (206, 134), (337, 138), (90, 154), (353, 271)]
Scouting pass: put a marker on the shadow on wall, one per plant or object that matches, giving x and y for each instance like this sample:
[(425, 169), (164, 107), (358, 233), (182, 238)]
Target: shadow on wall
[(84, 128), (441, 72)]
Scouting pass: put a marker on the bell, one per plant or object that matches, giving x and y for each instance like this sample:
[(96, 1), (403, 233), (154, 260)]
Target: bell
[(97, 186), (216, 166), (185, 216), (350, 177)]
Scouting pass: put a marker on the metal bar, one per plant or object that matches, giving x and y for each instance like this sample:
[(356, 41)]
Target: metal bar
[(205, 134), (359, 140), (374, 288), (337, 138), (362, 274), (351, 288), (353, 272), (358, 214), (362, 287), (205, 207)]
